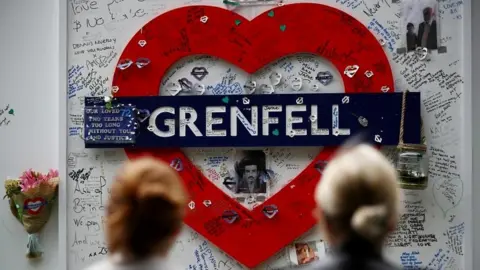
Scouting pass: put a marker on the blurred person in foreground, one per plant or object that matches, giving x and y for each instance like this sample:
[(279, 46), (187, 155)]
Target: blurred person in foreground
[(145, 214), (358, 205)]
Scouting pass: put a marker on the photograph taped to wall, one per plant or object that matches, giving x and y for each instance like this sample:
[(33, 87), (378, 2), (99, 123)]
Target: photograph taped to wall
[(249, 179), (302, 253), (420, 24)]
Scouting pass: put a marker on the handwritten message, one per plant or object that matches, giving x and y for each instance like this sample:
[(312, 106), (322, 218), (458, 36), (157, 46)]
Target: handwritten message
[(455, 236), (411, 230), (6, 114), (98, 30)]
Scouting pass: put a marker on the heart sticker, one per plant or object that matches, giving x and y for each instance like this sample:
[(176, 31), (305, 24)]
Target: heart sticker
[(250, 87), (275, 78), (350, 71), (266, 89), (199, 73), (142, 43), (422, 53), (199, 88), (324, 77), (270, 211), (249, 46), (34, 206), (296, 84), (124, 64), (173, 88)]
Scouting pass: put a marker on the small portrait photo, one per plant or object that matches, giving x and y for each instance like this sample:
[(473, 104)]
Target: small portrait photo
[(251, 172), (304, 253), (420, 22)]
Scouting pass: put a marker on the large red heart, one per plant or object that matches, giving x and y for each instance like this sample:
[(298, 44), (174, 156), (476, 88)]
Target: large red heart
[(295, 28)]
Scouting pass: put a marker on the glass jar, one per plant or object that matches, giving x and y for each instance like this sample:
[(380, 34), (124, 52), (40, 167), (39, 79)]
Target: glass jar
[(412, 166)]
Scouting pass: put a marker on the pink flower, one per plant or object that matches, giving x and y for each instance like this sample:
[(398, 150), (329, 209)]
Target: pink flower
[(31, 179), (52, 174)]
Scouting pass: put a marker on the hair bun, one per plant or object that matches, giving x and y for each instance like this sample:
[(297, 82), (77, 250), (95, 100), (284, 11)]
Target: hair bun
[(370, 221)]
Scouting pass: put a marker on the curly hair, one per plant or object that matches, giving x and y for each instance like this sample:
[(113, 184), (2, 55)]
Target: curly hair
[(252, 157)]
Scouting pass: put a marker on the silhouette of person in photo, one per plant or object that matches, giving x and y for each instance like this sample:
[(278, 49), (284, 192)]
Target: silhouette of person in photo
[(250, 170), (427, 30), (411, 37)]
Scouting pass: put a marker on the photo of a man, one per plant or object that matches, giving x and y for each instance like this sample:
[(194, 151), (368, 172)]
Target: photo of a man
[(427, 30), (251, 172)]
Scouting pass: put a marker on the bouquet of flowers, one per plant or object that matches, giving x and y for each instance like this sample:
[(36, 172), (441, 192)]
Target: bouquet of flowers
[(31, 199)]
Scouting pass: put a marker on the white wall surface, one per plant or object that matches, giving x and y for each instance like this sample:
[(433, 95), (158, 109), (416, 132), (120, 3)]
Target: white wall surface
[(29, 83)]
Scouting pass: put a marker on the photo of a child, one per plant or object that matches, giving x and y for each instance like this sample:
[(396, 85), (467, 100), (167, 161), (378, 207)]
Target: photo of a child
[(411, 37)]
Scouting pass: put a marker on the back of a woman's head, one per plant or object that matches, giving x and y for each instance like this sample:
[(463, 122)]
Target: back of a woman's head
[(358, 193), (145, 210)]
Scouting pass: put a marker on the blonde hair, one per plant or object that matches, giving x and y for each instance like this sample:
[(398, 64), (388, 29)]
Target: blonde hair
[(145, 210), (358, 193)]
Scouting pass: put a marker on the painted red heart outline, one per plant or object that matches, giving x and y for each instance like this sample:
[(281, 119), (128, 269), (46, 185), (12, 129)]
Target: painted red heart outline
[(251, 45)]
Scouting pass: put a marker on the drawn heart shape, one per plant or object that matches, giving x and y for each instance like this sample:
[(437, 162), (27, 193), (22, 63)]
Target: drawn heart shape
[(34, 206), (143, 115), (311, 28)]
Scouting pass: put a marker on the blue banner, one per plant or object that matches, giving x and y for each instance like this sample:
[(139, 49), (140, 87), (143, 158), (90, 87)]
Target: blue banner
[(109, 125), (260, 120)]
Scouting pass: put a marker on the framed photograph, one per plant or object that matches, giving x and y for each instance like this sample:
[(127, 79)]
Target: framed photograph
[(249, 180), (302, 253), (420, 24)]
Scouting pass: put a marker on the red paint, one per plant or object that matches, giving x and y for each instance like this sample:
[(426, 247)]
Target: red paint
[(34, 206), (310, 28)]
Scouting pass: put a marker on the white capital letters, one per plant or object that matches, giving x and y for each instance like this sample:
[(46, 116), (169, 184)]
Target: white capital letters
[(290, 120), (210, 121), (190, 122), (170, 123), (336, 130), (267, 120), (315, 130), (251, 127)]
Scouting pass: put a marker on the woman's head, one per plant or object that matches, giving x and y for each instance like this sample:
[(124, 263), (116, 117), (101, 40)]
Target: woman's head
[(145, 210), (358, 195)]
